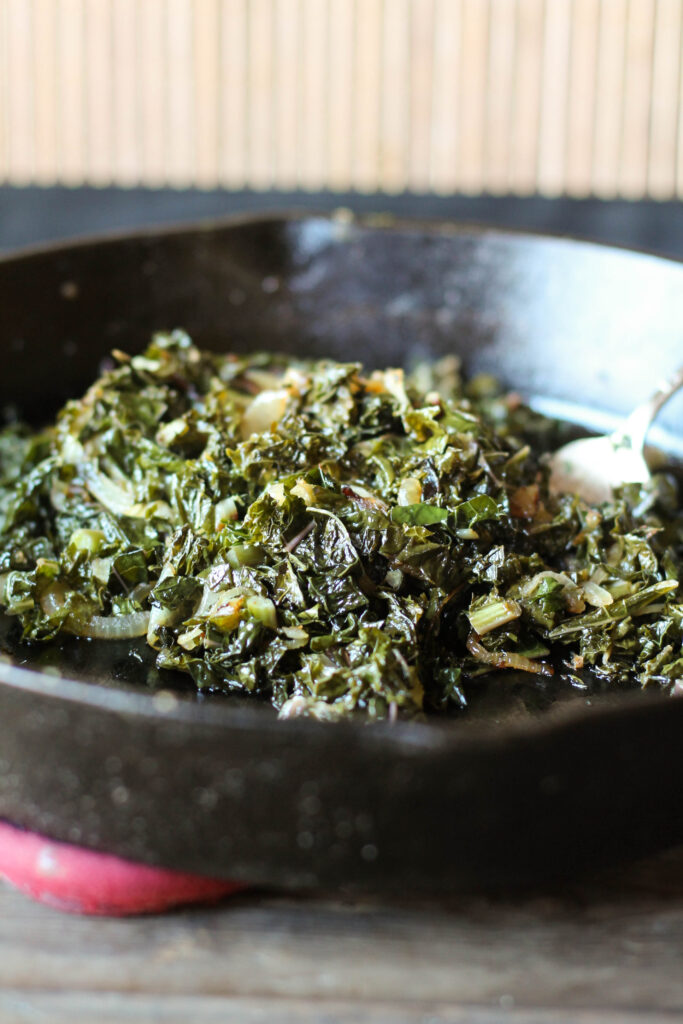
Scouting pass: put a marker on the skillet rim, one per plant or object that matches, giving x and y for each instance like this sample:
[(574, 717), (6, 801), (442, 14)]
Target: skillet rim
[(379, 221)]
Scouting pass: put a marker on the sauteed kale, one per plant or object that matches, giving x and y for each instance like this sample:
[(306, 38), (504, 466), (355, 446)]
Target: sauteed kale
[(331, 539)]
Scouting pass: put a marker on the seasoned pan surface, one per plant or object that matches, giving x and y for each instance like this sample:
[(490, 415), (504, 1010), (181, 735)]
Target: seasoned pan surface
[(112, 758)]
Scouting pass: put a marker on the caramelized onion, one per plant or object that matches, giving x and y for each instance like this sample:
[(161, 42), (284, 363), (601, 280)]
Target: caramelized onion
[(111, 627), (504, 659)]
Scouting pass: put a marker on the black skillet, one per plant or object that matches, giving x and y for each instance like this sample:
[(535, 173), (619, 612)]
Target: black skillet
[(100, 756)]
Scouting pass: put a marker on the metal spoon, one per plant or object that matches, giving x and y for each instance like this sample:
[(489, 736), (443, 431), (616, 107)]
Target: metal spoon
[(593, 466)]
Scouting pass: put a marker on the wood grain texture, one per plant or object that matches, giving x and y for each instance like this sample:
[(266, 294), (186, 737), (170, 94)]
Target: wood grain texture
[(574, 97), (599, 953), (666, 83), (27, 1007)]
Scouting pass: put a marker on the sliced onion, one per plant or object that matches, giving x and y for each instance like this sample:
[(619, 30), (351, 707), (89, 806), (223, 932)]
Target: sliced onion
[(572, 592), (263, 411), (54, 599), (535, 581), (504, 659), (302, 489), (596, 595), (111, 627), (209, 600), (410, 491), (111, 495), (225, 511), (119, 500)]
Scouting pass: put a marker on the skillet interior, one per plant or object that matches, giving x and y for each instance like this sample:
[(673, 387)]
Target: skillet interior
[(222, 788)]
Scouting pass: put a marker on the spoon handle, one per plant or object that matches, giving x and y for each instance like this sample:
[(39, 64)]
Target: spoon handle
[(634, 430)]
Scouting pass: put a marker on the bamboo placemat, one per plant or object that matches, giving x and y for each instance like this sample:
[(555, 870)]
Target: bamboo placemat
[(574, 97)]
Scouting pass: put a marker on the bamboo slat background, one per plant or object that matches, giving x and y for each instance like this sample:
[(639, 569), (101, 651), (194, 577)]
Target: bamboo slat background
[(577, 97)]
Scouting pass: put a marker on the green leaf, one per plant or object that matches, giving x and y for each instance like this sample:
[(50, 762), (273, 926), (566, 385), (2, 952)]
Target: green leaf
[(419, 515), (477, 510)]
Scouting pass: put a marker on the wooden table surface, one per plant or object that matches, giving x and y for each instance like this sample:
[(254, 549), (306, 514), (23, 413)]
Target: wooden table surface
[(606, 951)]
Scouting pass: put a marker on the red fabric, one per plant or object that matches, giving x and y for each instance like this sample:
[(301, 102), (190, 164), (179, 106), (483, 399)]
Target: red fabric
[(85, 882)]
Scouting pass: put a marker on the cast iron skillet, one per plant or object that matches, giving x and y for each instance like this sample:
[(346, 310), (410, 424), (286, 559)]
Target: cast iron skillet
[(221, 787)]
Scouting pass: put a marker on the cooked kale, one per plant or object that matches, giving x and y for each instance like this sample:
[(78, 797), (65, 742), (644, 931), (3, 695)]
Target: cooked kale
[(332, 540)]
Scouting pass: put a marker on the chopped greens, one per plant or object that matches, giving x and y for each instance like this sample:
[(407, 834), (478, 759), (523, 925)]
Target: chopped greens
[(331, 540)]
